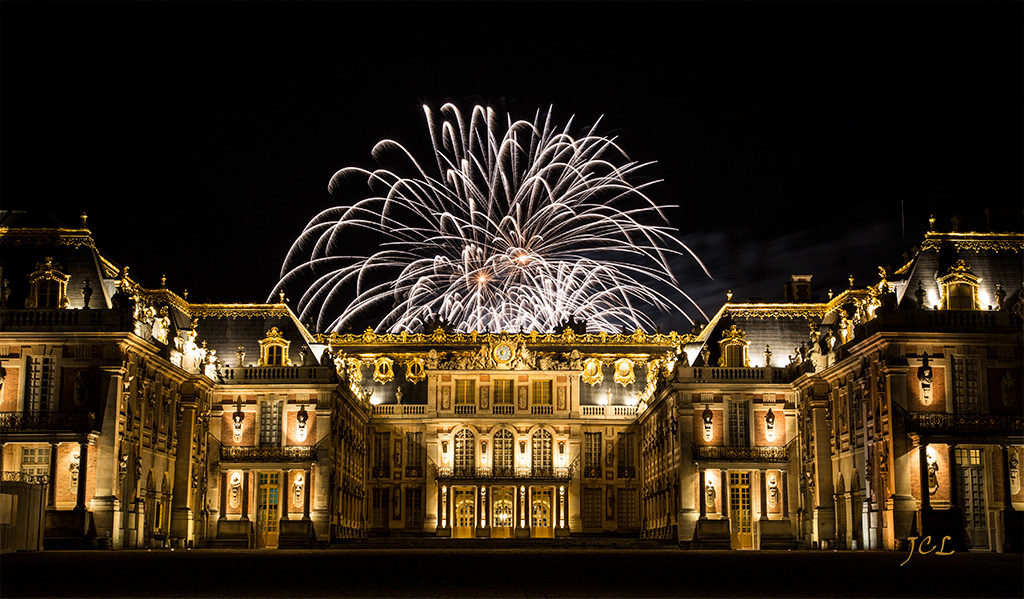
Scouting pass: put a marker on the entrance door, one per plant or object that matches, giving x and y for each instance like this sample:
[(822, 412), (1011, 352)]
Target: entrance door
[(972, 484), (540, 514), (739, 510), (503, 512), (465, 504), (266, 509)]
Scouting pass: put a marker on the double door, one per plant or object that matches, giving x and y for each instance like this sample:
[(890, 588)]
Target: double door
[(268, 494), (739, 510)]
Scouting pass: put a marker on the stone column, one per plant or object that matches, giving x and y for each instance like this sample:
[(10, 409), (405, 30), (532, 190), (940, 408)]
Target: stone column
[(83, 473), (723, 476), (763, 476), (785, 494), (51, 488), (245, 496), (703, 495), (305, 496), (954, 478), (1007, 496), (922, 461), (286, 491), (223, 495)]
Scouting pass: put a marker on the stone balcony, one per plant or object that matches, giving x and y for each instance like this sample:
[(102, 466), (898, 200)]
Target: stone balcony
[(279, 374), (268, 454), (47, 426), (760, 454), (12, 321)]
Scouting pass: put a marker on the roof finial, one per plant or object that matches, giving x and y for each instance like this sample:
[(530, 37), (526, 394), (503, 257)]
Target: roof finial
[(931, 222), (84, 217), (163, 281), (728, 295)]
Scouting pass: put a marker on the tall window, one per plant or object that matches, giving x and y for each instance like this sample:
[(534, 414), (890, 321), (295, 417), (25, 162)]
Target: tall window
[(592, 455), (503, 453), (465, 452), (414, 506), (379, 508), (627, 508), (966, 384), (270, 423), (734, 355), (503, 389), (275, 355), (960, 296), (465, 392), (627, 455), (541, 458), (381, 459), (35, 460), (414, 454), (42, 383), (542, 393), (593, 508), (738, 423)]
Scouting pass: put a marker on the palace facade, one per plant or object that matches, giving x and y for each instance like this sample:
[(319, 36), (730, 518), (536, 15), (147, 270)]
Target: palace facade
[(132, 417)]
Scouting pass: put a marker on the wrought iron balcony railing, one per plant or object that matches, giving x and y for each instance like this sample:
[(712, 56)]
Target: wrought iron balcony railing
[(47, 421), (268, 454), (539, 473), (941, 423), (24, 477), (712, 453)]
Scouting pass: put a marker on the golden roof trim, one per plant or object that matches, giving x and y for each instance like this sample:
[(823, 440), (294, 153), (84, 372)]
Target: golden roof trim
[(782, 310), (40, 236), (238, 310), (439, 337)]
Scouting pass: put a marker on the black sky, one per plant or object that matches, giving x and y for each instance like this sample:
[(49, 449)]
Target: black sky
[(200, 137)]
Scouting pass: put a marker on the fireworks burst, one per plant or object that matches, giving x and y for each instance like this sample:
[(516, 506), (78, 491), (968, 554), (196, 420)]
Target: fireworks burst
[(521, 228)]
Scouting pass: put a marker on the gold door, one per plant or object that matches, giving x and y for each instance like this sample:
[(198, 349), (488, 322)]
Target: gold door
[(503, 513), (267, 497), (739, 510), (540, 514), (465, 508)]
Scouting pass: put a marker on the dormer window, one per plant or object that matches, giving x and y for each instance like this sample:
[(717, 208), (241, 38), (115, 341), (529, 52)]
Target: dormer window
[(49, 286), (274, 349), (733, 348), (959, 288)]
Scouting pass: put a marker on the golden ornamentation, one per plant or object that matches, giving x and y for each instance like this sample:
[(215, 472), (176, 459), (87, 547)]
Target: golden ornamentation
[(592, 371), (624, 374), (383, 370), (236, 310), (415, 370), (48, 270), (74, 238), (274, 338), (733, 337)]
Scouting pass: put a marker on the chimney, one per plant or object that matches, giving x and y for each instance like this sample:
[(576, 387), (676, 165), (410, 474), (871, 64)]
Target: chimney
[(798, 289)]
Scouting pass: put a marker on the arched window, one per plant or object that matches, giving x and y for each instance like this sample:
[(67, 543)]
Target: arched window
[(733, 348), (542, 454), (504, 448), (959, 288), (49, 286), (274, 349), (465, 453)]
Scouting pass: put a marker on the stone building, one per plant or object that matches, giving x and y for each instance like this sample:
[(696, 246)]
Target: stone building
[(131, 417)]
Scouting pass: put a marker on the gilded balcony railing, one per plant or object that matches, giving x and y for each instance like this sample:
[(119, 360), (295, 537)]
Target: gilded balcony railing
[(538, 473), (740, 454), (268, 454), (47, 421)]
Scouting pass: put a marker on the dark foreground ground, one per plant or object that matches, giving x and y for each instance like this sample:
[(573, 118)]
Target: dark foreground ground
[(507, 573)]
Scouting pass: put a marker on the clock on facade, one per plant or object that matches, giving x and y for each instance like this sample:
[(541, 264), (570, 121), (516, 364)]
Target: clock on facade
[(502, 353)]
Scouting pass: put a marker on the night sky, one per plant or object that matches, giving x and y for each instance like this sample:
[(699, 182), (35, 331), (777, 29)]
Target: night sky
[(796, 138)]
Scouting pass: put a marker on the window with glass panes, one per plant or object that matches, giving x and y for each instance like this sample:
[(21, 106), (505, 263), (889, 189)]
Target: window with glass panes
[(542, 393), (960, 296), (414, 506), (465, 392), (42, 383), (626, 454), (270, 423), (541, 455), (35, 460), (414, 454), (734, 355), (967, 384), (627, 517), (593, 508), (465, 451), (503, 453), (381, 458), (738, 423), (503, 391), (592, 455)]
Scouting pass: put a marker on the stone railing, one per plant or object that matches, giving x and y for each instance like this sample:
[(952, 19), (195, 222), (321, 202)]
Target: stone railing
[(714, 453), (608, 411), (111, 320), (399, 410), (738, 373), (47, 421), (268, 454), (278, 373), (938, 422)]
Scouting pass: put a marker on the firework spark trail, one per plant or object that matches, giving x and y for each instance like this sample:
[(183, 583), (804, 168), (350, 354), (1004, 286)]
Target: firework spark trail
[(520, 228)]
